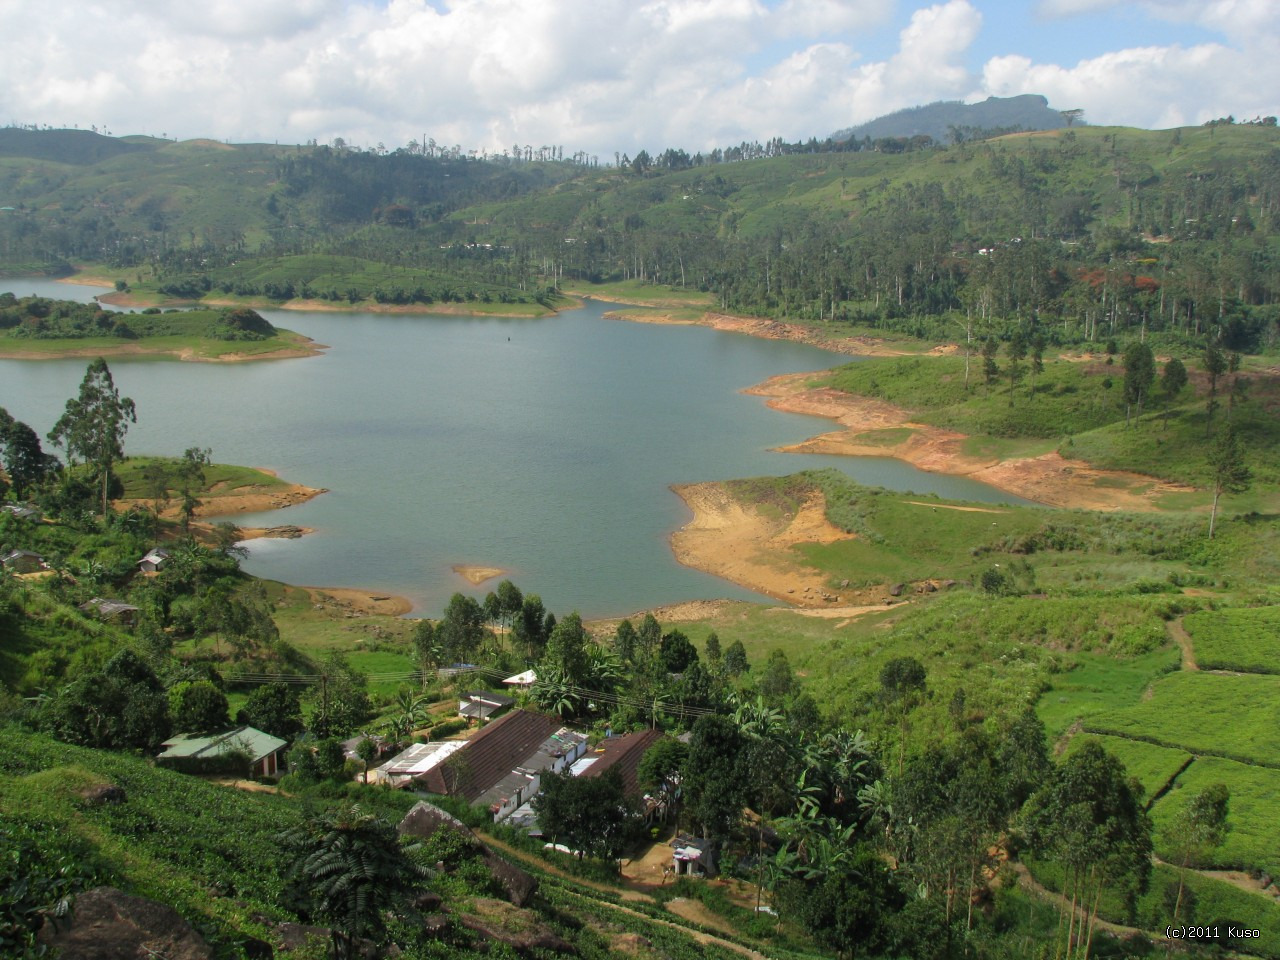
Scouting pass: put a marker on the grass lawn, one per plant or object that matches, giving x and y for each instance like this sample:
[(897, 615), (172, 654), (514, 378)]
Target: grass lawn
[(1241, 639), (220, 479), (1253, 842), (1208, 714)]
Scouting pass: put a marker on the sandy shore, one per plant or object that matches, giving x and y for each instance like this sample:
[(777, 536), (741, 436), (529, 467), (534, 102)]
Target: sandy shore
[(250, 499), (477, 575), (734, 540), (780, 330), (1049, 478)]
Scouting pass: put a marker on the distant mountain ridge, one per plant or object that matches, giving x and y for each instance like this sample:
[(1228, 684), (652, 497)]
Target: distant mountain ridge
[(1030, 111)]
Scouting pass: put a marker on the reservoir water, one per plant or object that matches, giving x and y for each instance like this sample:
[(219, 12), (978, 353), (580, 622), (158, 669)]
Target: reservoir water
[(545, 447)]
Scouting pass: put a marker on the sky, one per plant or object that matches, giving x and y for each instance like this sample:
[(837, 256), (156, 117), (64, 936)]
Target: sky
[(607, 76)]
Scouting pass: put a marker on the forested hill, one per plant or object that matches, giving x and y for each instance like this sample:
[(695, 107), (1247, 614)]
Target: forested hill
[(1082, 232), (949, 120), (68, 146)]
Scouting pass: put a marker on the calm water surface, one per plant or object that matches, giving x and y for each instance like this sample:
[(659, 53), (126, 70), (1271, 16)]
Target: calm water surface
[(544, 447)]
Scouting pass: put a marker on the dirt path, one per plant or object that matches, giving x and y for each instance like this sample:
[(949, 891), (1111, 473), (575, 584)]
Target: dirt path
[(627, 894), (1049, 478), (1033, 886), (1183, 639)]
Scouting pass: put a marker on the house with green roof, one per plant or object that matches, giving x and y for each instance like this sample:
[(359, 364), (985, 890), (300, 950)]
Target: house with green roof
[(232, 751)]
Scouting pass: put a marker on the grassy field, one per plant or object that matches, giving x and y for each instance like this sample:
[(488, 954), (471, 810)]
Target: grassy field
[(1154, 767), (1099, 683), (173, 347), (1253, 842), (1242, 639), (1078, 408), (1208, 714), (220, 479)]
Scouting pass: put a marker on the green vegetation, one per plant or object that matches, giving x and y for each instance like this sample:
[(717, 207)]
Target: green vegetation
[(36, 326), (1153, 767), (1241, 639), (1251, 843), (1201, 712)]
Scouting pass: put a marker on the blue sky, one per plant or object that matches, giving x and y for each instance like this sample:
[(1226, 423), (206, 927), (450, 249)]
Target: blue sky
[(606, 75)]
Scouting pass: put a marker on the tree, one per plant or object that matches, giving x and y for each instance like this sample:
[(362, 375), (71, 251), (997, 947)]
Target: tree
[(777, 681), (677, 652), (1215, 365), (367, 751), (427, 648), (990, 368), (1229, 471), (715, 776), (342, 702), (592, 815), (1016, 350), (25, 462), (735, 659), (510, 601), (649, 635), (1037, 362), (461, 630), (1198, 827), (274, 708), (189, 473), (529, 629), (94, 424), (1090, 817), (659, 771), (625, 640), (1139, 375), (121, 706), (346, 869), (198, 707), (902, 683), (1172, 382)]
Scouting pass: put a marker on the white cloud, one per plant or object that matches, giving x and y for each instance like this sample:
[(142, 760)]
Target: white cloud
[(1150, 86), (602, 76), (1240, 19)]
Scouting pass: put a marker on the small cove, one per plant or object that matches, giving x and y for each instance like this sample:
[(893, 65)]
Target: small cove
[(544, 447)]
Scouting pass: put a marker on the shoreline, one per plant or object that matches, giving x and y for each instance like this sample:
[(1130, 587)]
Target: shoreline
[(306, 347), (766, 329), (1049, 478), (126, 299)]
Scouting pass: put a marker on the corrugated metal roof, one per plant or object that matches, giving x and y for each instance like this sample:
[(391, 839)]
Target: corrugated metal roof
[(250, 740)]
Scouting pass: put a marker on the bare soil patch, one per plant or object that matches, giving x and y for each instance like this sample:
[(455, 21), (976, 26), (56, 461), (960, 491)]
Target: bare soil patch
[(363, 602), (736, 541)]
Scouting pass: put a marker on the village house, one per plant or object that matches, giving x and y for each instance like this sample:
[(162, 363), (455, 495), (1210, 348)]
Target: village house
[(23, 511), (483, 705), (522, 681), (154, 559), (262, 754), (415, 761), (500, 766), (23, 561), (111, 610)]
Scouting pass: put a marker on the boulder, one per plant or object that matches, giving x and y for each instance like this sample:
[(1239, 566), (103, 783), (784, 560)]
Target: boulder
[(108, 924), (103, 793), (896, 590), (425, 819), (503, 923)]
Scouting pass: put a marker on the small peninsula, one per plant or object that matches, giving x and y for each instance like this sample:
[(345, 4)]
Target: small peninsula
[(38, 328)]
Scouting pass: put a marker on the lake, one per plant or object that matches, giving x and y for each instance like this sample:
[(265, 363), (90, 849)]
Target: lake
[(545, 447)]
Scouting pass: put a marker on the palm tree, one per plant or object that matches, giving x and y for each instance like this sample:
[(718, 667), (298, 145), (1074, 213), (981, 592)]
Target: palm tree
[(347, 868)]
